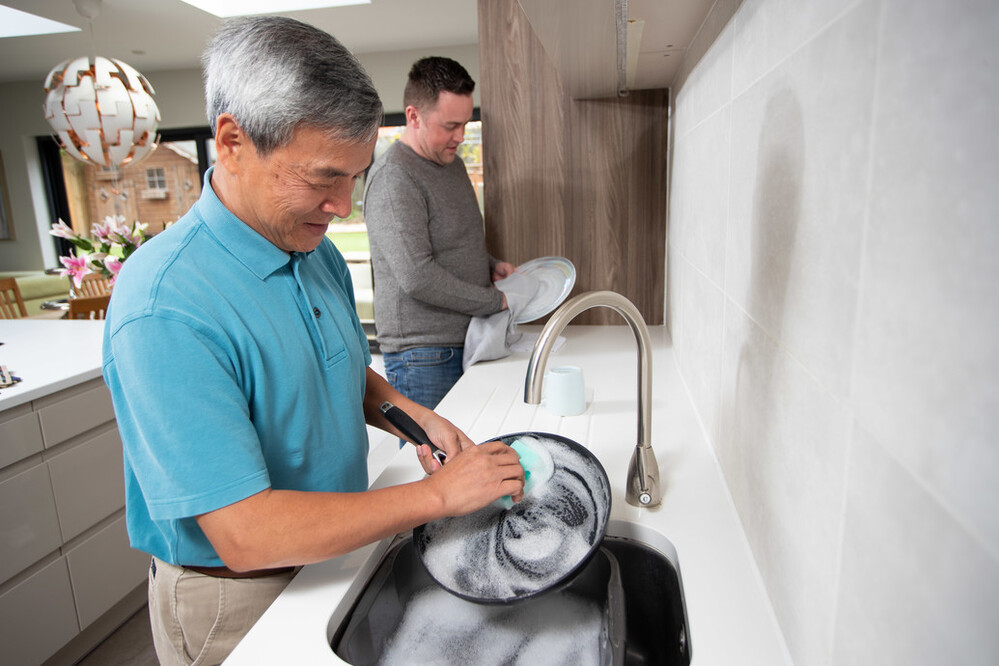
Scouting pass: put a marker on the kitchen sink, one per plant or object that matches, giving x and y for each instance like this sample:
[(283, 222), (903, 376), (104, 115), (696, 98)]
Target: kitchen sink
[(634, 579)]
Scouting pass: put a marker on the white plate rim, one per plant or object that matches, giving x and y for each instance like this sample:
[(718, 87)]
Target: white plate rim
[(567, 268)]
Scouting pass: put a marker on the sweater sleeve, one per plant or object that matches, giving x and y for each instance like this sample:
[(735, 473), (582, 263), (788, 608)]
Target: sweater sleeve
[(397, 214)]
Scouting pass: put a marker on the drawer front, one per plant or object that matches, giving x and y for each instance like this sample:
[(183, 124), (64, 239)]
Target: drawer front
[(29, 527), (88, 482), (76, 414), (20, 437), (104, 569), (37, 616)]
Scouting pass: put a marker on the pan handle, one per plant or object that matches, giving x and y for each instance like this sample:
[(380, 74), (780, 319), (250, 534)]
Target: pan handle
[(411, 429)]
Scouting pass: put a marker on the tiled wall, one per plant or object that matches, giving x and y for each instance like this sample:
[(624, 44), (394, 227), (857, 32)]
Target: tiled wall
[(833, 296)]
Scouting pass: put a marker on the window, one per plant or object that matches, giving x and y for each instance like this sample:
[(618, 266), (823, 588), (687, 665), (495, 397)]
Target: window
[(156, 179), (156, 191)]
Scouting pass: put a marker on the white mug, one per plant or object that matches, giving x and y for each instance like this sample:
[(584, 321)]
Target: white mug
[(564, 392)]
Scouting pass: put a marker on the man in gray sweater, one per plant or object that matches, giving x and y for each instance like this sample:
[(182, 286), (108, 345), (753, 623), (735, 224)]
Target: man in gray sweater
[(428, 250)]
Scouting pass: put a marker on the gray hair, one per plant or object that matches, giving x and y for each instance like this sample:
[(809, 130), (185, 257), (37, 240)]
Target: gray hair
[(274, 74)]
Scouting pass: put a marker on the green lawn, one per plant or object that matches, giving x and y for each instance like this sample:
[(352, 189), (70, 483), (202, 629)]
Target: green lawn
[(350, 241)]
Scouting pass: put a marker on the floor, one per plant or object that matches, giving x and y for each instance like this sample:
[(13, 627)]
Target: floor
[(130, 645)]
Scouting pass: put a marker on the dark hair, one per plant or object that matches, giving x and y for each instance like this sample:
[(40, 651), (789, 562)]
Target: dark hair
[(429, 77), (274, 74)]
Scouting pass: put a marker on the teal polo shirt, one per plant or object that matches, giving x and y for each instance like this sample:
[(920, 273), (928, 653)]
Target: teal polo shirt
[(233, 367)]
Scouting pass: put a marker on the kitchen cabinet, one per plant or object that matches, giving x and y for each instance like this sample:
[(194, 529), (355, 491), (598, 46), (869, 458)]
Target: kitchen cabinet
[(104, 570), (581, 38), (67, 414), (602, 47), (583, 179), (29, 527), (573, 168), (87, 481), (21, 436), (37, 615), (67, 573)]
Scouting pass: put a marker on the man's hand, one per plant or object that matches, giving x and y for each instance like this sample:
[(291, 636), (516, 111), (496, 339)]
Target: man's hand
[(446, 436), (477, 476), (503, 269), (491, 468)]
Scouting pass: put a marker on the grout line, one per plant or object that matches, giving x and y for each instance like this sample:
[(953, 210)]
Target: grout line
[(848, 398)]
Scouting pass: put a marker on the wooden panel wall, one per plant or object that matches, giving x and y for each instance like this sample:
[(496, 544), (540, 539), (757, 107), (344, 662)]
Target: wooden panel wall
[(583, 179)]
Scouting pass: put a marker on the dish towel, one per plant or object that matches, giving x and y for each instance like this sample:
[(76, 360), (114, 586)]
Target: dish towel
[(489, 337)]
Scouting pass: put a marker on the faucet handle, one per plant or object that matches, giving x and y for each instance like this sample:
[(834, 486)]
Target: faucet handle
[(643, 487)]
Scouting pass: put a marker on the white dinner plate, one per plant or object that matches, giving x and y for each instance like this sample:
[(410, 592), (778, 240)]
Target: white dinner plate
[(555, 276)]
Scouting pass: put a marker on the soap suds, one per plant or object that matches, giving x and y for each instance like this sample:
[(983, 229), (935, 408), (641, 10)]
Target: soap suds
[(499, 554), (439, 628)]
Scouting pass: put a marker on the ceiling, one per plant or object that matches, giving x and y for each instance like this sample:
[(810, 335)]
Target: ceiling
[(158, 35)]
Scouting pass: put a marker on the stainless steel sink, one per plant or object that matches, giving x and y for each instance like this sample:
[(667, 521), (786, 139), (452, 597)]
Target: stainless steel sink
[(655, 609), (642, 567)]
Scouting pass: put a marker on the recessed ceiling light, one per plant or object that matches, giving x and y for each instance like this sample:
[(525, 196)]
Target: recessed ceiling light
[(15, 23), (224, 8)]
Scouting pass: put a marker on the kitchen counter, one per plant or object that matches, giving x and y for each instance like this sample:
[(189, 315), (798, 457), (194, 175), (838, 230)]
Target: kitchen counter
[(48, 356), (730, 617)]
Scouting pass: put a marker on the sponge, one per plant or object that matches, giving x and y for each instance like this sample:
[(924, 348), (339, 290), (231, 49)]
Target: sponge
[(537, 463)]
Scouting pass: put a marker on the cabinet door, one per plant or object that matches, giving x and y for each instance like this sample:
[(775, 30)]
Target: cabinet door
[(78, 413), (104, 568), (29, 527), (20, 437), (37, 616), (88, 482)]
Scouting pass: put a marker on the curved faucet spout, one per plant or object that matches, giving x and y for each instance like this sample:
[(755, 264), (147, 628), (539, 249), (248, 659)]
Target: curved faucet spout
[(643, 472)]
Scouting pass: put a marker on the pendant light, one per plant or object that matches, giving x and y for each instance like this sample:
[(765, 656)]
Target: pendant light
[(101, 109)]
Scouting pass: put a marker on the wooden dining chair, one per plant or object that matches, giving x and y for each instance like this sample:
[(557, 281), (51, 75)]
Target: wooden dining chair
[(94, 284), (11, 303), (89, 307)]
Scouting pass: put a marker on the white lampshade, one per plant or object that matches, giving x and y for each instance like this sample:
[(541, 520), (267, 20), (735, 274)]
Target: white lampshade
[(102, 112)]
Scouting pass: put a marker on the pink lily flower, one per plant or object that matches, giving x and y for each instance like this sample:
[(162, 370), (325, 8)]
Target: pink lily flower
[(113, 264), (76, 267), (95, 261), (62, 230), (101, 231), (138, 234)]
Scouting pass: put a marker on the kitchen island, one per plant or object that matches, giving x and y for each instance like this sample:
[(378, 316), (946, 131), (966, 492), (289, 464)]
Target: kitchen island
[(68, 577), (730, 617)]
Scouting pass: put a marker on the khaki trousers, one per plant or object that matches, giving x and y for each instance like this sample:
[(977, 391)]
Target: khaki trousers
[(198, 619)]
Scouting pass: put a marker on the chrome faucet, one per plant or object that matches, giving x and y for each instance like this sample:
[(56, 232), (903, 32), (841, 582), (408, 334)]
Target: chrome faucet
[(643, 470)]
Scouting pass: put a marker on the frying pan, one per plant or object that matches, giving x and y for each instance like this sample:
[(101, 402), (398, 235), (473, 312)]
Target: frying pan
[(498, 555)]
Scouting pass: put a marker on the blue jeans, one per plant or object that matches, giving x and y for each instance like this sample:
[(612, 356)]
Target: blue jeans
[(424, 374)]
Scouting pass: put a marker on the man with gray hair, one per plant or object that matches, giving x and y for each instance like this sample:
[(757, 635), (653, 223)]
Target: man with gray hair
[(238, 368)]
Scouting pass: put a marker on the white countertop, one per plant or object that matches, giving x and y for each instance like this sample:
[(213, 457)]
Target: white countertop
[(48, 355), (730, 618)]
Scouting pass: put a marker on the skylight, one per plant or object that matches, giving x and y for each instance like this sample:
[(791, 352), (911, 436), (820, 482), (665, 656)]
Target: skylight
[(224, 8), (15, 23)]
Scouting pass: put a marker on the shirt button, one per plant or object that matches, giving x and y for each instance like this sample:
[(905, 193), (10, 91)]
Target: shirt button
[(317, 312)]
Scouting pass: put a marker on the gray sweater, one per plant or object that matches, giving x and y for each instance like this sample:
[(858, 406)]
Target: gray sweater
[(428, 251)]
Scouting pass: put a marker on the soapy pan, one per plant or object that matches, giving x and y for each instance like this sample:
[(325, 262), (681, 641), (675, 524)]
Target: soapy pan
[(503, 555)]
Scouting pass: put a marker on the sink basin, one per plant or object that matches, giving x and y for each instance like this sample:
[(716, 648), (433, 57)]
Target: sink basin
[(657, 631), (634, 579)]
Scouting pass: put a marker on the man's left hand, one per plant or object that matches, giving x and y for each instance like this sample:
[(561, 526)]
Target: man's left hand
[(446, 436), (503, 269)]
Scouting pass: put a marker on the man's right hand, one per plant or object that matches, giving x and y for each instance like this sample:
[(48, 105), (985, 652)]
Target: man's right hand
[(478, 476)]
